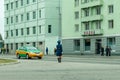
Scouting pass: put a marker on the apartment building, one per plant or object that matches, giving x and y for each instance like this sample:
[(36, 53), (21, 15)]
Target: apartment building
[(32, 22), (1, 42), (89, 24)]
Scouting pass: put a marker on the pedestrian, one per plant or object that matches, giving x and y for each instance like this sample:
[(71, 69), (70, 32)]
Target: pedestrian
[(7, 50), (107, 50), (102, 51), (59, 51), (46, 50)]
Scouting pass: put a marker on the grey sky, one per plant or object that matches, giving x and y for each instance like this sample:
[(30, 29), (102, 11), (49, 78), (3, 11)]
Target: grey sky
[(2, 17)]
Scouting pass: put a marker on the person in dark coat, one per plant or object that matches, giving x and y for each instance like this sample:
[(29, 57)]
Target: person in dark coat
[(59, 51), (102, 51), (107, 50), (46, 50)]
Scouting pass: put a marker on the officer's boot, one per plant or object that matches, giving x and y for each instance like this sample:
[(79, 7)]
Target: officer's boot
[(58, 60)]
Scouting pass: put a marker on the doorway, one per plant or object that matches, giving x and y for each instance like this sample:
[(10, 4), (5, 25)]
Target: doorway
[(98, 46)]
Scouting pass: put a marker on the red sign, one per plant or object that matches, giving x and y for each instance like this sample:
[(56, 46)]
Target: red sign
[(89, 32)]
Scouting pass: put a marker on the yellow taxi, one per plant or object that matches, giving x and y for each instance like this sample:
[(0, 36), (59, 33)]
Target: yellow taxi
[(28, 52)]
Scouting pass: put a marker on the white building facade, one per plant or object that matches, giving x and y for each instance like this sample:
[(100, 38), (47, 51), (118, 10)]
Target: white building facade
[(32, 22), (89, 24)]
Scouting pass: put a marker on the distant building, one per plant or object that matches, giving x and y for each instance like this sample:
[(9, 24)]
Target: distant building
[(1, 42), (89, 24), (33, 22)]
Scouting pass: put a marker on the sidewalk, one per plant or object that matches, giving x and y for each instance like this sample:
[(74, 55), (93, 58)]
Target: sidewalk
[(94, 56), (89, 56)]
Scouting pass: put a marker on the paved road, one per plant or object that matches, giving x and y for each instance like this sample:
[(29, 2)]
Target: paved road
[(72, 68)]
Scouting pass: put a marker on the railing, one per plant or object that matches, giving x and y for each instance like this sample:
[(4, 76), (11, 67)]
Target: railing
[(92, 18), (92, 32), (92, 3)]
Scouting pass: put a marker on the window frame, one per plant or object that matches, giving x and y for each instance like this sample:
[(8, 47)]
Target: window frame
[(111, 24), (49, 28), (34, 29), (76, 14), (111, 8)]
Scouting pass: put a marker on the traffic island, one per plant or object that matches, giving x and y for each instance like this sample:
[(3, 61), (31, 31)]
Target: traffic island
[(8, 61)]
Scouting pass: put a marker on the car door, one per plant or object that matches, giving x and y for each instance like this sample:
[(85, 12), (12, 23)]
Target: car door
[(23, 51)]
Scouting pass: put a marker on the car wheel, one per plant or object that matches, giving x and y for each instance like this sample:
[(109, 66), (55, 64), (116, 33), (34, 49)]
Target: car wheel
[(27, 56), (18, 56), (39, 57)]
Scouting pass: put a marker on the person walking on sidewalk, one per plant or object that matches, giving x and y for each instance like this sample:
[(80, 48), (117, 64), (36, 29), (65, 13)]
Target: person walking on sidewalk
[(102, 51), (46, 50), (59, 51), (107, 50)]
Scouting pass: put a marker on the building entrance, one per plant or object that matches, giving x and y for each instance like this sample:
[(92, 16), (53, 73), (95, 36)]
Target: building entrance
[(98, 46)]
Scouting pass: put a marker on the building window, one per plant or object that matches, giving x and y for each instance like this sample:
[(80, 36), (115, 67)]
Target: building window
[(21, 17), (111, 41), (34, 44), (40, 43), (27, 43), (86, 24), (34, 0), (98, 10), (28, 31), (39, 13), (21, 2), (111, 24), (27, 1), (98, 24), (84, 1), (16, 45), (16, 19), (76, 3), (16, 32), (34, 15), (22, 32), (86, 12), (22, 44), (11, 19), (11, 5), (111, 9), (16, 4), (76, 15), (76, 27), (7, 34), (11, 46), (49, 28), (11, 32), (40, 29), (34, 30), (87, 44), (7, 6), (28, 15), (7, 20), (77, 45)]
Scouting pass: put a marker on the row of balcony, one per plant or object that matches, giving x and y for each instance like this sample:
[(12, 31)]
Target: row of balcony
[(92, 32), (92, 3), (92, 18)]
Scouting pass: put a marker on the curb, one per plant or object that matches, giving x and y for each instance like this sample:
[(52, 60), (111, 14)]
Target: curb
[(2, 64)]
